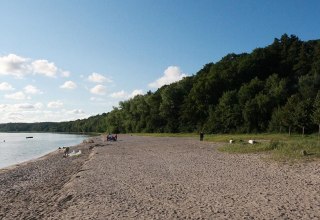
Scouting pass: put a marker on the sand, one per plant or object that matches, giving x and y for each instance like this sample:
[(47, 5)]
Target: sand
[(159, 178)]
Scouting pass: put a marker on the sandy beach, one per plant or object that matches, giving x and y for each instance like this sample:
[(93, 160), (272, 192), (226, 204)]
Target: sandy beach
[(158, 178)]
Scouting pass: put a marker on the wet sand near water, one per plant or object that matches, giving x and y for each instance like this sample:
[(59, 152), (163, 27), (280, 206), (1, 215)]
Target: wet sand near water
[(159, 178)]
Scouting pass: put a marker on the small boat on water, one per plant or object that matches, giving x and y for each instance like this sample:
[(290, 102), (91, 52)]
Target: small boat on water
[(29, 137)]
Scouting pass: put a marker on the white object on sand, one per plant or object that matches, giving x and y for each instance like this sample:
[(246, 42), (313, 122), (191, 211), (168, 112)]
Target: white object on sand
[(73, 153)]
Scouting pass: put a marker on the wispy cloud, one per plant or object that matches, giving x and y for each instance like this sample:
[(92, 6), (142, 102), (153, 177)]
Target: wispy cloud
[(6, 87), (29, 89), (76, 112), (98, 78), (98, 90), (171, 74), (69, 85), (119, 95), (55, 104), (17, 96)]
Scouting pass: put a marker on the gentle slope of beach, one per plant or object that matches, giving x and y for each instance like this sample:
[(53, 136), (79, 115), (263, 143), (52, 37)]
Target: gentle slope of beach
[(158, 178)]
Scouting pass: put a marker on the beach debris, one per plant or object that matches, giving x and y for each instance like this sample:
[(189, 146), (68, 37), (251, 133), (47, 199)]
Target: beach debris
[(304, 153), (231, 141), (111, 137), (66, 151), (73, 153), (90, 141), (65, 200), (91, 147), (252, 141), (29, 137), (201, 136)]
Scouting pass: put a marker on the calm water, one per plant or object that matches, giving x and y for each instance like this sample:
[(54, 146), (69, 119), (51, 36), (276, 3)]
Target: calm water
[(15, 148)]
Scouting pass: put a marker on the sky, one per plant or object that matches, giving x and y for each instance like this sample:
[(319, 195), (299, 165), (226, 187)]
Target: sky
[(64, 60)]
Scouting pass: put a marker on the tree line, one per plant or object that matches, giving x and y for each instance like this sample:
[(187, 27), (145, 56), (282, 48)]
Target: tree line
[(95, 123), (271, 89)]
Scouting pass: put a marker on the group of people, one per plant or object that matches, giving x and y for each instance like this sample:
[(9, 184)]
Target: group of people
[(111, 137)]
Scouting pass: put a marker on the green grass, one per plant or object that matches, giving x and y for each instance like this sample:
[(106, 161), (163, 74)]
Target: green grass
[(278, 147), (294, 148)]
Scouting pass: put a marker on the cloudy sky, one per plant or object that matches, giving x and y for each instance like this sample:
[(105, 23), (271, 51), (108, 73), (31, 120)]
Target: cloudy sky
[(63, 60)]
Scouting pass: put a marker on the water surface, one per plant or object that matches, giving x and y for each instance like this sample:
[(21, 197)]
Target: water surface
[(16, 148)]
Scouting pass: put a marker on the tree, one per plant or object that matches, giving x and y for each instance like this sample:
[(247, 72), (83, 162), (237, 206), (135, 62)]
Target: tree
[(288, 115), (226, 117), (316, 111), (302, 114)]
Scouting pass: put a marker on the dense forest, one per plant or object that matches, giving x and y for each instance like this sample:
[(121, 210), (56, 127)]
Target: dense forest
[(274, 89)]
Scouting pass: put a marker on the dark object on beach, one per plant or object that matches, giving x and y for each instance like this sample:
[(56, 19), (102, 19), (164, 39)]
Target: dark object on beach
[(29, 137), (110, 137), (66, 151), (304, 153), (201, 136)]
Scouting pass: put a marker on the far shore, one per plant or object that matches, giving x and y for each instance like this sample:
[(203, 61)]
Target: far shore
[(158, 178)]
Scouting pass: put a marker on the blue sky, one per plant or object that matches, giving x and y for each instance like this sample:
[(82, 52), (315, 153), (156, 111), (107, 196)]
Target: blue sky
[(63, 60)]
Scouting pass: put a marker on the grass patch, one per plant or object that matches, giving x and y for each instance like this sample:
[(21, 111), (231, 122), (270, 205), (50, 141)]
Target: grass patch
[(245, 137), (289, 149), (245, 148), (279, 147)]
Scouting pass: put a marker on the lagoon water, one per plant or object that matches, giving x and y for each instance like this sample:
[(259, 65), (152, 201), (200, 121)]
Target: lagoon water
[(16, 148)]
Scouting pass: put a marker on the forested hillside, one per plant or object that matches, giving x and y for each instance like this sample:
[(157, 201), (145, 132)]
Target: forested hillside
[(275, 89), (271, 89)]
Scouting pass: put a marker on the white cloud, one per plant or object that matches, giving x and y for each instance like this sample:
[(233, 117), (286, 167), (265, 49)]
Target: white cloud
[(33, 112), (98, 78), (135, 92), (44, 67), (98, 90), (14, 65), (17, 96), (29, 89), (119, 95), (55, 104), (6, 87), (76, 111), (171, 74), (19, 67), (69, 85), (123, 95)]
